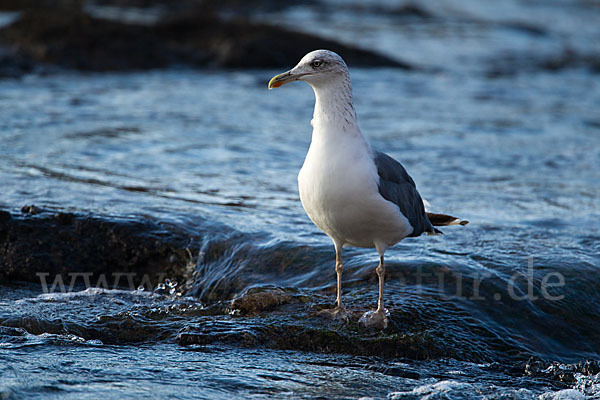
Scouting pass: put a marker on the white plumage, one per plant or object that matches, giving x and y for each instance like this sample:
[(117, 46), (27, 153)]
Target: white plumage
[(356, 196), (338, 182)]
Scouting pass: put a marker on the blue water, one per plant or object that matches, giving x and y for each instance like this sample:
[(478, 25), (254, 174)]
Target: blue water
[(487, 134)]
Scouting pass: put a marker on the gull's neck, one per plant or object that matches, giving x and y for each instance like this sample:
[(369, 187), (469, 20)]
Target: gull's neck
[(334, 110)]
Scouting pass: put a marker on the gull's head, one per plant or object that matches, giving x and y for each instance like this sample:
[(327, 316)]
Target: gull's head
[(317, 68)]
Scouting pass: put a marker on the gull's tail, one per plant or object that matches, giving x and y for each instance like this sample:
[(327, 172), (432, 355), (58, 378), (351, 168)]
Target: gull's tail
[(443, 220)]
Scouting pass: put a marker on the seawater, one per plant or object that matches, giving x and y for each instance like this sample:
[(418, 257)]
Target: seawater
[(516, 153)]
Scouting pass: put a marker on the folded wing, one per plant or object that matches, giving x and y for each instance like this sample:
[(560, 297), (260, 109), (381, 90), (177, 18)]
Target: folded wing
[(396, 186)]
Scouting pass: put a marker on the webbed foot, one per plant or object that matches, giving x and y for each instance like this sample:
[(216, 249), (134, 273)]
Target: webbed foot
[(337, 313), (375, 319)]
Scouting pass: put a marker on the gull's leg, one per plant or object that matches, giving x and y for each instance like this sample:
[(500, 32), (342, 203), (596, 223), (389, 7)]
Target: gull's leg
[(339, 311), (381, 274), (339, 268), (377, 318)]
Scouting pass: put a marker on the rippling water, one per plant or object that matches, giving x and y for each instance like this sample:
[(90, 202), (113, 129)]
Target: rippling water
[(517, 153), (40, 359)]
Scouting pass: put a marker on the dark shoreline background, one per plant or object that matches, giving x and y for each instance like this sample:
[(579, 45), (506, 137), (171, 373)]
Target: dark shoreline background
[(190, 33)]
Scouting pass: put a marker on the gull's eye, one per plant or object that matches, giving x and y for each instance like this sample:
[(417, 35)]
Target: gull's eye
[(316, 64)]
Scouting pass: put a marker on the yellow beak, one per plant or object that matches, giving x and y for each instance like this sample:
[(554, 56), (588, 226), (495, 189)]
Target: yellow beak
[(282, 79)]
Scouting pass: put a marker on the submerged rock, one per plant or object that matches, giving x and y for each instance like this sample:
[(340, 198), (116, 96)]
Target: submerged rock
[(70, 38), (295, 327)]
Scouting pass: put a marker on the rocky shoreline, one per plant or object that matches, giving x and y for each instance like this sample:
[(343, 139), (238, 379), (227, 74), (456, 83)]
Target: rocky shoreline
[(45, 243)]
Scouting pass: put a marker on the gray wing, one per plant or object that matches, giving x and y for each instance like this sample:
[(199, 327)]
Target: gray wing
[(397, 186)]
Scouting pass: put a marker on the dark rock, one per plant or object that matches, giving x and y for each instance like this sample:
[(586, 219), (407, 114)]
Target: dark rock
[(67, 244), (297, 331), (241, 44), (69, 38)]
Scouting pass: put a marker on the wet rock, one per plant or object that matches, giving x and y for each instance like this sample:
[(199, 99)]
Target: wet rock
[(75, 246), (307, 334), (258, 299), (70, 38)]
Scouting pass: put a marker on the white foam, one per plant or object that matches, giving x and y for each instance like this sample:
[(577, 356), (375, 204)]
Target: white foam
[(565, 394), (432, 390), (588, 384), (89, 292)]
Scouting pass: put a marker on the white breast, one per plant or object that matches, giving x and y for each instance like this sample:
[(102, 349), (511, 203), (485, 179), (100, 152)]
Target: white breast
[(338, 186)]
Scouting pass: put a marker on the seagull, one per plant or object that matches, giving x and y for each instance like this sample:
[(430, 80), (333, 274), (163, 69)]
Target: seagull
[(357, 196)]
